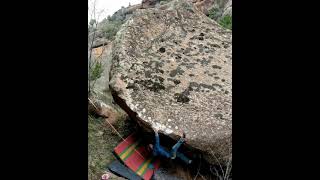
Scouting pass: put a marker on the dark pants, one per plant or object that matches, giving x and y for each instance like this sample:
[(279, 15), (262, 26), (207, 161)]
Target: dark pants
[(174, 150)]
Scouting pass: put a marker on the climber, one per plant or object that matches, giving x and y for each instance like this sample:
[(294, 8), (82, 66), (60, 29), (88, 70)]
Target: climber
[(158, 150)]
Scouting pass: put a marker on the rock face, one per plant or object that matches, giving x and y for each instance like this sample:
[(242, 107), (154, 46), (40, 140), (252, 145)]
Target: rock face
[(100, 86), (149, 3), (172, 68), (227, 8), (101, 96), (203, 5)]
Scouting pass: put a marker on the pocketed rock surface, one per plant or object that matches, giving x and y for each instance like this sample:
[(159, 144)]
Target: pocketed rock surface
[(172, 68)]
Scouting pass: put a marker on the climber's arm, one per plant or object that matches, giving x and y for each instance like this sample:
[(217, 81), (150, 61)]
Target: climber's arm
[(157, 139)]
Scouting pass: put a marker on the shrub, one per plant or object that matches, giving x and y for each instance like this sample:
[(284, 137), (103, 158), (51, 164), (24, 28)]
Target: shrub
[(226, 22), (92, 22), (214, 13), (187, 6), (111, 28), (96, 71), (163, 2)]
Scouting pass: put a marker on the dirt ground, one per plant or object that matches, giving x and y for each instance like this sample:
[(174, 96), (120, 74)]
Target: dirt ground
[(101, 141)]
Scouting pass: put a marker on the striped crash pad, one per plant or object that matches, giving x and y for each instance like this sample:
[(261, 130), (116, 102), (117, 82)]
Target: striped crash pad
[(136, 157), (119, 169)]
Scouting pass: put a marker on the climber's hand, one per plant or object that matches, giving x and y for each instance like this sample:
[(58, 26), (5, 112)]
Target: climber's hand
[(155, 130), (182, 134)]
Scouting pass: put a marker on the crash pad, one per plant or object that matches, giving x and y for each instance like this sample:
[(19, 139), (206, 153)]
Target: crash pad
[(137, 157), (120, 169)]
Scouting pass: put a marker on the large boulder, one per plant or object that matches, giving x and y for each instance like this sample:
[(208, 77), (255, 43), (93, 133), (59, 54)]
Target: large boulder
[(172, 70)]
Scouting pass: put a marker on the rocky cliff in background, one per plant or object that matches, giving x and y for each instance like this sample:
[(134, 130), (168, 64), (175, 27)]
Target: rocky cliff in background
[(108, 27), (225, 6), (202, 5), (172, 70)]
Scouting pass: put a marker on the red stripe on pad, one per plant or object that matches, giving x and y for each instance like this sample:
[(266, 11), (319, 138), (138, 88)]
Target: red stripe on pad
[(137, 157), (124, 144), (135, 161)]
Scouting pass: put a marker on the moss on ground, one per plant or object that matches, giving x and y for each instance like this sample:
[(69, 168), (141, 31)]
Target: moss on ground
[(101, 141)]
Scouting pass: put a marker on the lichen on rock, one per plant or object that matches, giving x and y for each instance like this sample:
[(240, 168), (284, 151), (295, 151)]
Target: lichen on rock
[(168, 67)]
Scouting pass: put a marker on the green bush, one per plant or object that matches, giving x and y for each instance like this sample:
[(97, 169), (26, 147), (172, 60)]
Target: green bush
[(163, 2), (226, 22), (111, 28), (187, 6), (96, 71), (92, 22), (214, 13)]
